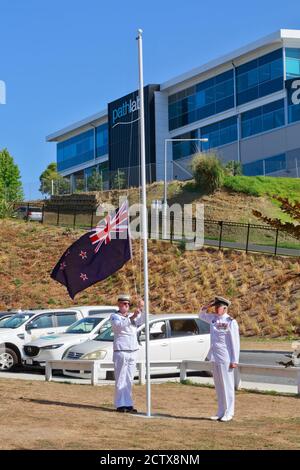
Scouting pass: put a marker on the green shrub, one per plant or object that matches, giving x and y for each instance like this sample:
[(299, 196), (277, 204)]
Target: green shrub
[(208, 172), (233, 168)]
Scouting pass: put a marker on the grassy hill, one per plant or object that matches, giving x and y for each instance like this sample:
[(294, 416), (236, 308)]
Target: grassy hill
[(265, 290)]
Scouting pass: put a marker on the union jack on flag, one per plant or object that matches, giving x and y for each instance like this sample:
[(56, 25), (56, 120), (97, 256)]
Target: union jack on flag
[(110, 226)]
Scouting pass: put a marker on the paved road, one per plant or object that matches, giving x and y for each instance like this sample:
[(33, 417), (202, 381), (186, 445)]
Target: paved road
[(254, 247)]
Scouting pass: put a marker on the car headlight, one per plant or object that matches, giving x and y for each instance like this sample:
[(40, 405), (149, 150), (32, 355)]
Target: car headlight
[(52, 346), (95, 355)]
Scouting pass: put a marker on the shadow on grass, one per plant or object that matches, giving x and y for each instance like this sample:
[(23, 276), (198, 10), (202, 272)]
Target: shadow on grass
[(109, 410), (69, 405)]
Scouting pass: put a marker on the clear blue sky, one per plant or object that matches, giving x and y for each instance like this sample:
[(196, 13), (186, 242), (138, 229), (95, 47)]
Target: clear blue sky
[(63, 60)]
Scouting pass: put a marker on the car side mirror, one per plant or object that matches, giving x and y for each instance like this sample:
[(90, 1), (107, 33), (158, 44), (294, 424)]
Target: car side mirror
[(31, 327)]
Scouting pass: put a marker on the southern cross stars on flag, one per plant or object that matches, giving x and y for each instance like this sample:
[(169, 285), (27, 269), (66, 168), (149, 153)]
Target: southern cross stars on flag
[(97, 254)]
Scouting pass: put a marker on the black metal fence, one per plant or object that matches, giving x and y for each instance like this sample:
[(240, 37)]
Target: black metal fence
[(217, 233)]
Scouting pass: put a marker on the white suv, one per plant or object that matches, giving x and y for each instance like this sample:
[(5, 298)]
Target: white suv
[(45, 348), (172, 337), (26, 326)]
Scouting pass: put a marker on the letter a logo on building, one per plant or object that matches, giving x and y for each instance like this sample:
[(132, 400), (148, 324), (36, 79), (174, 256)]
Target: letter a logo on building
[(2, 92)]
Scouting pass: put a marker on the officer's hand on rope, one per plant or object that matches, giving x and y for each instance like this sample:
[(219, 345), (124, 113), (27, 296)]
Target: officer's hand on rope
[(233, 365)]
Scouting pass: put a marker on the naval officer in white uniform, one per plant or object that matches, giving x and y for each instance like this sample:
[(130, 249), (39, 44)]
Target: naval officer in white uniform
[(124, 326), (224, 354)]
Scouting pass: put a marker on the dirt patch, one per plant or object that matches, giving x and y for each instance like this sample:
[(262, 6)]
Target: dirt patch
[(40, 415)]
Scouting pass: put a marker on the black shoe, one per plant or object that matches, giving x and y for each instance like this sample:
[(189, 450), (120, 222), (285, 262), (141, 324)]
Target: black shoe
[(130, 409), (122, 409)]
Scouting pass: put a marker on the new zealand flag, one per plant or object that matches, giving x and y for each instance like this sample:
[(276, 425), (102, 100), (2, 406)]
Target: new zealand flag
[(97, 254)]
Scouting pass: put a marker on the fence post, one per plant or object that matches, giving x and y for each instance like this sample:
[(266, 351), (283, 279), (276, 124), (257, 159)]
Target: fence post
[(74, 220), (220, 237), (247, 243), (43, 213), (57, 222), (92, 219), (27, 214), (276, 241)]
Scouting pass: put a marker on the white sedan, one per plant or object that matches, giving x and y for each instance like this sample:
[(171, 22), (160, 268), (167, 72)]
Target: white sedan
[(52, 347), (172, 337)]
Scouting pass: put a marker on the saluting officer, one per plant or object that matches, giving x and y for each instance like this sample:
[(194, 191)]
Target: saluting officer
[(124, 326), (224, 354)]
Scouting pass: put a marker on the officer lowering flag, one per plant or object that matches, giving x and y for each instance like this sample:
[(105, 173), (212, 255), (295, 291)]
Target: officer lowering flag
[(97, 254)]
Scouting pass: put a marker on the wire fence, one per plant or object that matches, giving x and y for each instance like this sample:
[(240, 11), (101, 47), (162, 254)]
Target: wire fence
[(217, 233)]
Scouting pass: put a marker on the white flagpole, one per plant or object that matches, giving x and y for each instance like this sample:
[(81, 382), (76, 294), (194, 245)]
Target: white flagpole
[(144, 216)]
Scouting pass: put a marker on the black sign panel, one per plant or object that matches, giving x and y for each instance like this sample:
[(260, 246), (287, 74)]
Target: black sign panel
[(123, 128), (293, 90)]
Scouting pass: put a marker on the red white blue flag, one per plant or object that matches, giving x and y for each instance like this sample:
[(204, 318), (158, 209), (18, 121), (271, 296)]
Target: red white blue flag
[(97, 254)]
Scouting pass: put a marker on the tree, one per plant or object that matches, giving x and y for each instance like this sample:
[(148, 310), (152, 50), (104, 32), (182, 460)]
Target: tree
[(292, 209), (208, 172), (60, 185), (95, 181), (10, 179)]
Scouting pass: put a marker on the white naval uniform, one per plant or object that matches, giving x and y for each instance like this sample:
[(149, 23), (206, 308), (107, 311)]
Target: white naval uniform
[(224, 349), (124, 357)]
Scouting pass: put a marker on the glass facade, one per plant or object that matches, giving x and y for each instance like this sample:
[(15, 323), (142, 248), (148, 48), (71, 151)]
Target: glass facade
[(263, 118), (219, 133), (265, 166), (185, 149), (292, 62), (80, 149), (259, 77), (202, 100)]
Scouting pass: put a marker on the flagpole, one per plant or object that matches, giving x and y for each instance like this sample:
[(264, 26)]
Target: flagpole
[(144, 216)]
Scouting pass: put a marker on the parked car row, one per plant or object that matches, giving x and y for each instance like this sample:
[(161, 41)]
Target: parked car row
[(29, 213), (26, 326), (31, 338)]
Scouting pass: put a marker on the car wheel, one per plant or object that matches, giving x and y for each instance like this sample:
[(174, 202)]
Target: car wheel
[(110, 375), (8, 359)]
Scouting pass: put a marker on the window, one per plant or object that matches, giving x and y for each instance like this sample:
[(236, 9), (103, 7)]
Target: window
[(265, 166), (43, 321), (292, 62), (102, 140), (219, 133), (105, 333), (203, 326), (158, 330), (259, 77), (263, 118), (85, 325), (66, 319), (183, 149), (184, 327), (202, 100), (76, 150)]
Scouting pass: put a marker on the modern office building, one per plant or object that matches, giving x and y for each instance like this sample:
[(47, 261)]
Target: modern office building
[(246, 103)]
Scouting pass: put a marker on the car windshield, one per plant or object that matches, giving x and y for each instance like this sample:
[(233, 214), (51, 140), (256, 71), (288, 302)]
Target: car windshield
[(83, 326), (105, 333), (16, 320), (2, 320)]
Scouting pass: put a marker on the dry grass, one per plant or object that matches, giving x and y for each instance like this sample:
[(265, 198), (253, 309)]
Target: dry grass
[(59, 416), (265, 290)]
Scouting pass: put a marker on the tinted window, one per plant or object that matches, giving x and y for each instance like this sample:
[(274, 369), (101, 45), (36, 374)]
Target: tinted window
[(157, 330), (105, 333), (85, 325), (16, 320), (43, 321), (203, 327), (184, 327), (66, 319)]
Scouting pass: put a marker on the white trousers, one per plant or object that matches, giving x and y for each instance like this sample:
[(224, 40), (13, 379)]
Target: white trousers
[(224, 384), (125, 366)]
